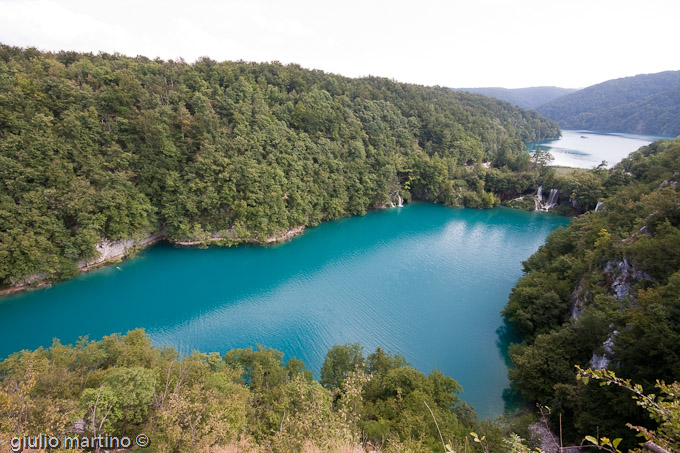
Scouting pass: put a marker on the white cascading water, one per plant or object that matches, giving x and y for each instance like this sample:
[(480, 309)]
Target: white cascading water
[(538, 200), (548, 205), (552, 200), (599, 203), (399, 200)]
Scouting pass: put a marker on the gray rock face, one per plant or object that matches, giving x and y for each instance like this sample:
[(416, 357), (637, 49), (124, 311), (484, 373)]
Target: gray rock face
[(28, 279), (579, 297), (107, 251), (548, 441), (622, 276), (601, 361), (110, 250)]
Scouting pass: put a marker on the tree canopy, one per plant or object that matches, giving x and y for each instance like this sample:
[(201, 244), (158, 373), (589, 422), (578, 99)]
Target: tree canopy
[(107, 146)]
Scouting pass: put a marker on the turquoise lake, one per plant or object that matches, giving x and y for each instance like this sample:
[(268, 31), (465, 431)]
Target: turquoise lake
[(424, 280), (587, 149)]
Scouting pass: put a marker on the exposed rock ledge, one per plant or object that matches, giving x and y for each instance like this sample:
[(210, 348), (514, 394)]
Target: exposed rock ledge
[(621, 275), (549, 442), (115, 250), (602, 361), (230, 235), (284, 236), (37, 280), (110, 251)]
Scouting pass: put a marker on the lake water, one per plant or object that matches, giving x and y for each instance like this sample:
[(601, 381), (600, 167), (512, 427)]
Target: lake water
[(587, 149), (424, 280)]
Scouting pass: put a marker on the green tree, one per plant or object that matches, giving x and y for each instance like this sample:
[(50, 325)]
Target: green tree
[(340, 361)]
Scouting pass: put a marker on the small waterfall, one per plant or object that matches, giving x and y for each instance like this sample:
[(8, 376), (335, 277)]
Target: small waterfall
[(548, 205), (599, 204), (538, 199), (396, 195), (552, 199)]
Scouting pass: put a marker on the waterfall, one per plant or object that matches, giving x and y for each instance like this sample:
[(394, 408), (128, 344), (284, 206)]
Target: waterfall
[(400, 201), (599, 204), (538, 199), (552, 199)]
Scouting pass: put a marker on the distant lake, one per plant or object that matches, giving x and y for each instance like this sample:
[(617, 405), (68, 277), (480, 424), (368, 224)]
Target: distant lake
[(424, 280), (586, 149)]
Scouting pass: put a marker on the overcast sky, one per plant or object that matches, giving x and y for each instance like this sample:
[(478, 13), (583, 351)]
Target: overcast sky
[(471, 43)]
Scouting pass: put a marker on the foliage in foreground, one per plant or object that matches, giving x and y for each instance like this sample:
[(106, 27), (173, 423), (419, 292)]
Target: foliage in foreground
[(246, 399), (663, 409)]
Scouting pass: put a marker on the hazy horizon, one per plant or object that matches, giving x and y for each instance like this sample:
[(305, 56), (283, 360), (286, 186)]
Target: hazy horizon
[(329, 72), (487, 43)]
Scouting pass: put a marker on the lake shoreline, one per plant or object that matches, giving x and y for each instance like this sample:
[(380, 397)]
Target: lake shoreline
[(39, 282), (586, 149), (417, 268)]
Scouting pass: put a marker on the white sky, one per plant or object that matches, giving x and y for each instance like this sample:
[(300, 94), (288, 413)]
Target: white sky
[(471, 43)]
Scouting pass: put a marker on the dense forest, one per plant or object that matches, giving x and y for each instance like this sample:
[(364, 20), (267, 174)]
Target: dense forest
[(526, 98), (604, 292), (107, 146), (646, 104)]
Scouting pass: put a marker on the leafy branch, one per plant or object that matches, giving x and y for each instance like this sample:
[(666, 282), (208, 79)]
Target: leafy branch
[(664, 409)]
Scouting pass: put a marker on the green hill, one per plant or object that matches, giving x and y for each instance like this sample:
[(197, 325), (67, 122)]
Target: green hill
[(605, 293), (527, 98), (646, 103), (106, 146)]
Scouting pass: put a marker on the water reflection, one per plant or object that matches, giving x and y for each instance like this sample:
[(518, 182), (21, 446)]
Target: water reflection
[(587, 149)]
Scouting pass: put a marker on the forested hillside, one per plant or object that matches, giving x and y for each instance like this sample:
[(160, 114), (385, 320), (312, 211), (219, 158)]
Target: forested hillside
[(106, 146), (526, 98), (605, 293), (646, 103)]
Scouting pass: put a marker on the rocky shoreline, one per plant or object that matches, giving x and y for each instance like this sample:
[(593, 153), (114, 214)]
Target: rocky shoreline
[(113, 251)]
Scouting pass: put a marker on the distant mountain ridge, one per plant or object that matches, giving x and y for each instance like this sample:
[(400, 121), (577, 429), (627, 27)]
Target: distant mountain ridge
[(526, 98), (645, 103)]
